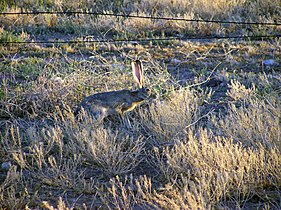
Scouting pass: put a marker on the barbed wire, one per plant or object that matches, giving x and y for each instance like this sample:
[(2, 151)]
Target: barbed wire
[(145, 40), (143, 17)]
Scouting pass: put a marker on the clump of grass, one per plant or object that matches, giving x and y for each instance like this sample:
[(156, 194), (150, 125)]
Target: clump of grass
[(7, 3), (128, 193), (111, 153), (7, 36), (12, 194), (238, 91), (168, 121), (256, 123), (203, 172)]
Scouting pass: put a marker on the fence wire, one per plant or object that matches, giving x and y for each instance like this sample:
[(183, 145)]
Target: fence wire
[(142, 17), (85, 40), (137, 41)]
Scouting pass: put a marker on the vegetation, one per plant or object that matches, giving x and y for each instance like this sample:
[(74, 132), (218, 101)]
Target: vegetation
[(210, 138)]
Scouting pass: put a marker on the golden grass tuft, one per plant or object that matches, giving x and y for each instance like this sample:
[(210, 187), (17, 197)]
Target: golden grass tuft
[(168, 121), (256, 123), (200, 173)]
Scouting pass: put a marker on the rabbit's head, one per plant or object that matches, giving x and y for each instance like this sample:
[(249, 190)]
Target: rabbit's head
[(141, 94)]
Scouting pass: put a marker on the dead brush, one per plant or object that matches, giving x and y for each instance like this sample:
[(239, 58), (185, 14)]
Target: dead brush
[(49, 150), (11, 188), (42, 96), (256, 123), (128, 192), (205, 169), (47, 159), (37, 99), (199, 173), (111, 152), (238, 91), (169, 120)]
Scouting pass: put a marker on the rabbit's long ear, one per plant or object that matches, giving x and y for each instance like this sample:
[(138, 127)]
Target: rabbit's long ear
[(138, 72)]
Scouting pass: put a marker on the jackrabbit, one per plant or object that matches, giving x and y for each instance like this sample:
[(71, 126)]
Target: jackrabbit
[(101, 105)]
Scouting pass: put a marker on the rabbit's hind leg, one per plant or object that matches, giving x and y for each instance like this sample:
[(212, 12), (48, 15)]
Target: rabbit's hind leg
[(95, 114), (98, 113)]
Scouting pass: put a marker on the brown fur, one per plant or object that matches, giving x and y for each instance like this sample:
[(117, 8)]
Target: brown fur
[(101, 105)]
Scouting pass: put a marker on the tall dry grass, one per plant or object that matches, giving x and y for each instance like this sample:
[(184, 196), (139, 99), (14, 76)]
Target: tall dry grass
[(197, 168)]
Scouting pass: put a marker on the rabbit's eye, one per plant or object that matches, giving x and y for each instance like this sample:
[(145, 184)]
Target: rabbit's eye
[(146, 90)]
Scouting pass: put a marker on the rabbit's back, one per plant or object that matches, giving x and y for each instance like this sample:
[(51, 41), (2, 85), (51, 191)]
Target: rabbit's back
[(101, 105), (105, 103)]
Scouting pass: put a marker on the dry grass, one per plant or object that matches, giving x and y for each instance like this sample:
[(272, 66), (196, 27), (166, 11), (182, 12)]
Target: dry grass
[(210, 146), (182, 168), (102, 26)]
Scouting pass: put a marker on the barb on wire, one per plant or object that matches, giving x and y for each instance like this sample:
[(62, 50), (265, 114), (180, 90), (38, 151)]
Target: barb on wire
[(143, 17), (141, 40)]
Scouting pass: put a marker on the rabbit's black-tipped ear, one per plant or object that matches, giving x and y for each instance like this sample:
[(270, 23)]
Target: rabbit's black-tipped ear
[(138, 72)]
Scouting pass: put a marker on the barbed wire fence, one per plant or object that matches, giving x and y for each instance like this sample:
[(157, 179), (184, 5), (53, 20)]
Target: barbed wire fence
[(144, 40), (141, 17)]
